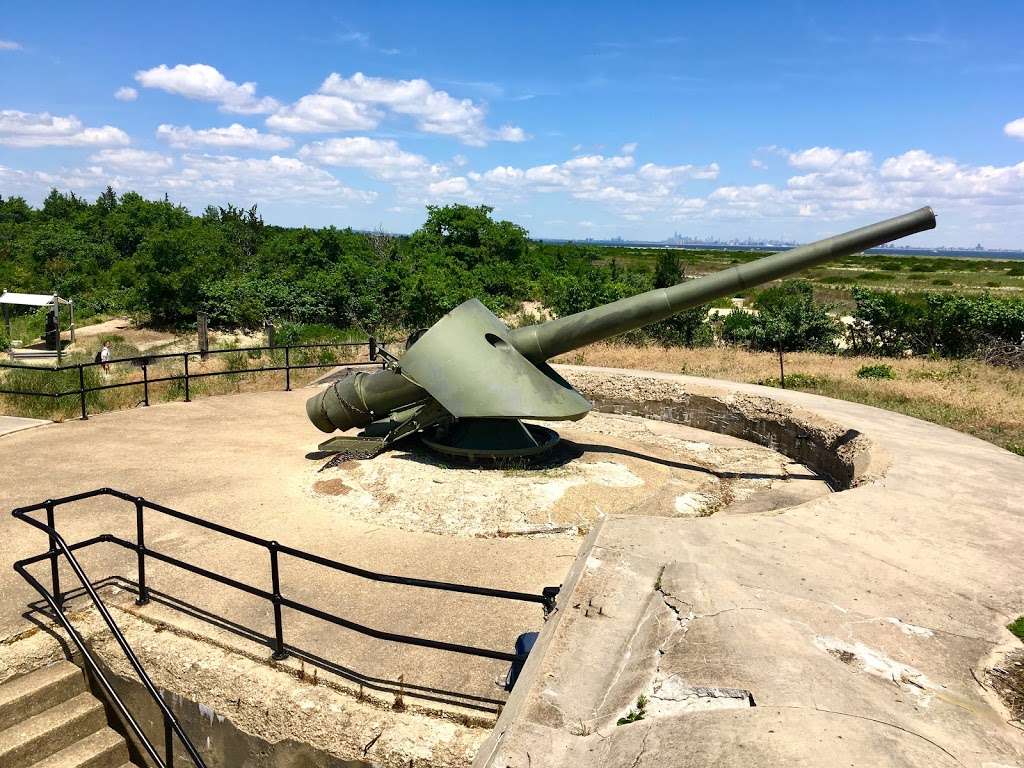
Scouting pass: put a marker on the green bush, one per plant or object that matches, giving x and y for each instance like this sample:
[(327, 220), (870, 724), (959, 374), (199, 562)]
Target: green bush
[(48, 382), (794, 381), (877, 371), (942, 281), (787, 318), (1016, 271), (872, 276)]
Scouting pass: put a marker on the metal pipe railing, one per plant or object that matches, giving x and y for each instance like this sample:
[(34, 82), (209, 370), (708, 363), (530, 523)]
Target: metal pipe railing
[(377, 357), (55, 601), (275, 596)]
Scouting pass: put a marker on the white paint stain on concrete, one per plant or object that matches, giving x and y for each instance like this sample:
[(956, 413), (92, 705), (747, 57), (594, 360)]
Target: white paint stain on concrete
[(878, 664), (910, 629)]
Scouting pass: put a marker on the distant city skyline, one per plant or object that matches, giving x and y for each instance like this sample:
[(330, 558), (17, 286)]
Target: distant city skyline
[(779, 121)]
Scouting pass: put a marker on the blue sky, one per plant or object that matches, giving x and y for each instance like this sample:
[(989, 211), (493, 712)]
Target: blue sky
[(772, 120)]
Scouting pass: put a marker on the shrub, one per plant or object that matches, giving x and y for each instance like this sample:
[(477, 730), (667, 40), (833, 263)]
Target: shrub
[(942, 281), (877, 371), (788, 318), (794, 381), (1016, 271), (872, 276)]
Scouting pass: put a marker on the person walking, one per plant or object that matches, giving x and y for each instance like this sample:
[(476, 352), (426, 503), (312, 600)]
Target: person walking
[(105, 356)]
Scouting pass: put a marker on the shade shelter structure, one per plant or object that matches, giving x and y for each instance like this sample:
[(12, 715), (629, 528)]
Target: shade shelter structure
[(10, 299)]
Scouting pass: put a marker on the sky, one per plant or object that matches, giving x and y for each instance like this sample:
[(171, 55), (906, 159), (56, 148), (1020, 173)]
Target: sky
[(771, 120)]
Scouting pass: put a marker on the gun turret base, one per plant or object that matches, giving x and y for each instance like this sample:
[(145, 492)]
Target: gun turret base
[(492, 440)]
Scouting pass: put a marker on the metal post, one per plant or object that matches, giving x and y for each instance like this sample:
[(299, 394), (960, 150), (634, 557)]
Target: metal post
[(56, 317), (203, 329), (275, 579), (145, 384), (268, 326), (287, 370), (140, 539), (81, 390), (71, 305), (373, 349), (188, 397), (54, 563), (168, 743)]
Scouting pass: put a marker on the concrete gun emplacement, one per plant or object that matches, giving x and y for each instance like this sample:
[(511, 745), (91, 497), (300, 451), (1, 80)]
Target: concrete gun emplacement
[(468, 381)]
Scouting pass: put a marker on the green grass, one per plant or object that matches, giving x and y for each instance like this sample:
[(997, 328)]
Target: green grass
[(1017, 627)]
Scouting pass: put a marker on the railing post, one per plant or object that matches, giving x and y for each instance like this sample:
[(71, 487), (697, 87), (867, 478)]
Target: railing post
[(81, 390), (275, 579), (54, 563), (188, 397), (145, 384), (287, 369), (168, 743), (140, 539), (373, 349)]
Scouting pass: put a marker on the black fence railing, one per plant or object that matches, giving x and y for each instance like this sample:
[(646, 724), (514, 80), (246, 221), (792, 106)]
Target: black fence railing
[(275, 551), (376, 353), (54, 599)]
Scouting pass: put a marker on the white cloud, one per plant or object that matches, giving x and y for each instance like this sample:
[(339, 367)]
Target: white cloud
[(360, 103), (318, 114), (234, 135), (126, 93), (205, 83), (849, 184), (758, 164), (133, 160), (1015, 128), (828, 158), (41, 129), (611, 180), (382, 158), (10, 45), (274, 178), (629, 149), (456, 186)]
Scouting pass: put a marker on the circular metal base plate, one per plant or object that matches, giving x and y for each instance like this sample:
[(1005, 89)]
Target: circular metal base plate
[(478, 450)]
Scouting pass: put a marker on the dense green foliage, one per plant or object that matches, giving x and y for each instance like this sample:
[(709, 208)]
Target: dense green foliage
[(787, 318), (153, 259), (126, 254), (943, 324)]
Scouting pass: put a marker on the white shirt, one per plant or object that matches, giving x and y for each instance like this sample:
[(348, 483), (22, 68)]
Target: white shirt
[(105, 355)]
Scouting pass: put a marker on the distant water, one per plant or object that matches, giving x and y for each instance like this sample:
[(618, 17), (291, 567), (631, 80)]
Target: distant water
[(946, 253)]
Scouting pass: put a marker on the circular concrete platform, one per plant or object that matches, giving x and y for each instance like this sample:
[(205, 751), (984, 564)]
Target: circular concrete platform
[(606, 464)]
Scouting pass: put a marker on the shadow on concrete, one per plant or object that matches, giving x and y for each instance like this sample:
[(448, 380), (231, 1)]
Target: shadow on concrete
[(40, 615), (722, 475)]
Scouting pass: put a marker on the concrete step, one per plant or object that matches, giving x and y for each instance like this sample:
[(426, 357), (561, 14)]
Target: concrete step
[(37, 691), (105, 748), (50, 731)]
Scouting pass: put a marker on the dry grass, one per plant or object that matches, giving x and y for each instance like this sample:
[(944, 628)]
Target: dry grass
[(969, 396), (240, 370)]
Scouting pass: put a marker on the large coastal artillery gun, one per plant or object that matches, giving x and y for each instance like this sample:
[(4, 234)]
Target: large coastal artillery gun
[(466, 383)]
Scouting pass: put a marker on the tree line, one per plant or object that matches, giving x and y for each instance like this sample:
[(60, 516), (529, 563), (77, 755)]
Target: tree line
[(124, 254)]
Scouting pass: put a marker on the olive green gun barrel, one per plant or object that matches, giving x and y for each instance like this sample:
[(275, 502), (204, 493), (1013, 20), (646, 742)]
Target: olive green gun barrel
[(362, 398), (542, 342)]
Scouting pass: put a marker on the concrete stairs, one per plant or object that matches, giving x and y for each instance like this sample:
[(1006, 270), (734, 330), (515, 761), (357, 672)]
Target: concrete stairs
[(49, 719)]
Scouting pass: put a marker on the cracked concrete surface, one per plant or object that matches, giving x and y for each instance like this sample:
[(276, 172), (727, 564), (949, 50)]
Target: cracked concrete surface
[(862, 623)]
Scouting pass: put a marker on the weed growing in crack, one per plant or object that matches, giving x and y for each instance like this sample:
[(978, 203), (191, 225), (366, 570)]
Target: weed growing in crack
[(636, 714)]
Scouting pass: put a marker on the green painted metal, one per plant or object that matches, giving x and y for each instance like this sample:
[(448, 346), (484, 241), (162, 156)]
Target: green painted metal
[(469, 365), (466, 363), (544, 341)]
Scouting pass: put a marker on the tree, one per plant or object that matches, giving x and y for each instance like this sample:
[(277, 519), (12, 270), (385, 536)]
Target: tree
[(787, 320)]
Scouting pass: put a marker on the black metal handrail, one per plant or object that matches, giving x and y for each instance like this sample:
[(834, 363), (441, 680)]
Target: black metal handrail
[(377, 354), (171, 725), (275, 550)]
